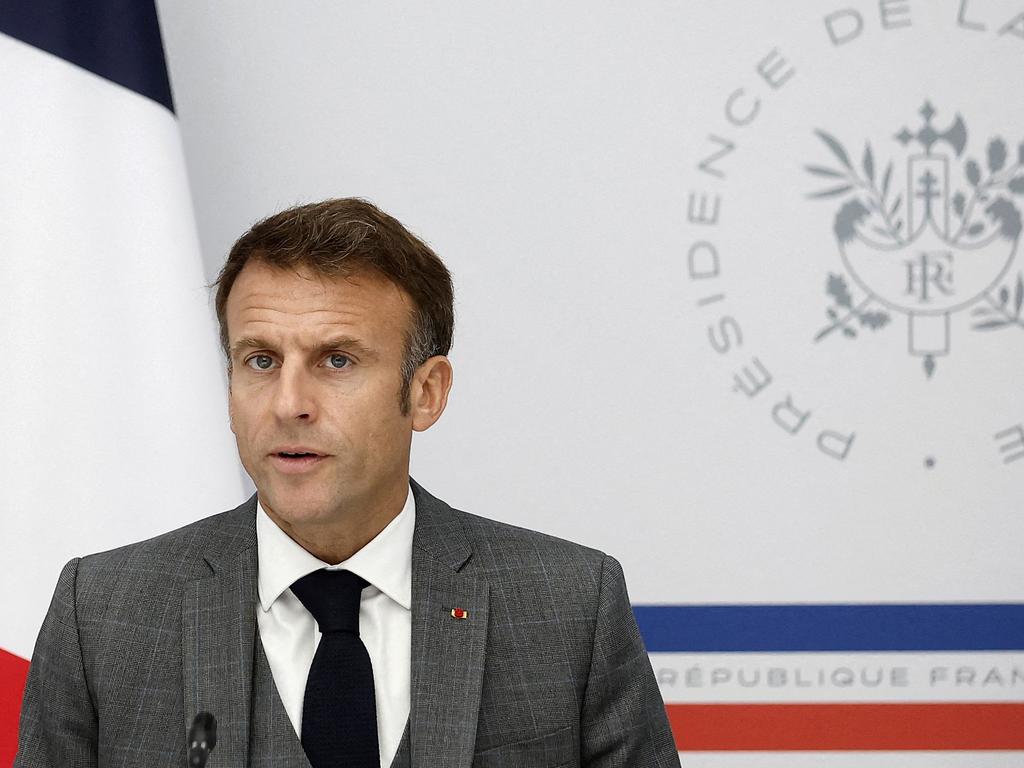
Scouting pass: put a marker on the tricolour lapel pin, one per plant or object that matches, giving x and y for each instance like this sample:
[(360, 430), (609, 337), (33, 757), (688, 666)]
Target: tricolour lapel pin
[(460, 613)]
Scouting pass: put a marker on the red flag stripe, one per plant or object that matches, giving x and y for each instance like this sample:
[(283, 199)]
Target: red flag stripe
[(744, 727), (848, 727), (13, 671)]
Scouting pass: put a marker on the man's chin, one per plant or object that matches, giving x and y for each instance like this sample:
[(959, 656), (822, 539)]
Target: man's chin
[(294, 508)]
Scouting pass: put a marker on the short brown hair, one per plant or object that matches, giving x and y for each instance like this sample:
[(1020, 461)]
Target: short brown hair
[(338, 238)]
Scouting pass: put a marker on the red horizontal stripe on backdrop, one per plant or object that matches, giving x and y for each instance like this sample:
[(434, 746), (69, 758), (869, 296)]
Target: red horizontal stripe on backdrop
[(846, 727), (13, 671)]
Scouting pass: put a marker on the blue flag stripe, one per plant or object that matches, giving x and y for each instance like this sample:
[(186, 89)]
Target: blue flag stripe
[(809, 628), (115, 39)]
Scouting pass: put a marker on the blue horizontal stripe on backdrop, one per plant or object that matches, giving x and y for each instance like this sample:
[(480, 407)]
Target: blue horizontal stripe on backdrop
[(115, 39), (858, 627)]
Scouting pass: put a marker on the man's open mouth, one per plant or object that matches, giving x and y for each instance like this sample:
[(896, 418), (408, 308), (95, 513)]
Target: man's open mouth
[(296, 460)]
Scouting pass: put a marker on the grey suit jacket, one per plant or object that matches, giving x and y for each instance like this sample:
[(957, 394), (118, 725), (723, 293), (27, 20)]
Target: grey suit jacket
[(547, 670)]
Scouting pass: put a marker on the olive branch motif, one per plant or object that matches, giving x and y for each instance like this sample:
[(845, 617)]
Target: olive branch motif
[(875, 200), (843, 312), (870, 204)]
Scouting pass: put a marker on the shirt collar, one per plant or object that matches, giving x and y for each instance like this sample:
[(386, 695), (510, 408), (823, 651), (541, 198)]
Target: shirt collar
[(385, 562)]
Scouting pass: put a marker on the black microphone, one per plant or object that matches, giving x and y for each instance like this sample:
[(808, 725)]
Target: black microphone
[(202, 738)]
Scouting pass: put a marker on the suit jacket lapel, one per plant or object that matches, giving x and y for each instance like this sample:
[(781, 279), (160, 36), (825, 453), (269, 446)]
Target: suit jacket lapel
[(218, 634), (447, 652)]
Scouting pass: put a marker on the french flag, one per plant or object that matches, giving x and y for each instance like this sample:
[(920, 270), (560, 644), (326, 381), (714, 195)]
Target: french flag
[(113, 397), (865, 678)]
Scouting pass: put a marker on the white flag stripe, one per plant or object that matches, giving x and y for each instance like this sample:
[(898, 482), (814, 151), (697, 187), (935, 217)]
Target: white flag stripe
[(112, 403), (693, 678)]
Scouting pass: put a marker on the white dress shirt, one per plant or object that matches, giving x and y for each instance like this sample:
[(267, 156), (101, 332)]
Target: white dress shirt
[(290, 635)]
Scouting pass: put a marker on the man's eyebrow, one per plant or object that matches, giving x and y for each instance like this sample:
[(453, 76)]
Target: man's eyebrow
[(348, 343)]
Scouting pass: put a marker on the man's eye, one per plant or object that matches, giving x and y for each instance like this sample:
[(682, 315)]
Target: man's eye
[(262, 362), (338, 361)]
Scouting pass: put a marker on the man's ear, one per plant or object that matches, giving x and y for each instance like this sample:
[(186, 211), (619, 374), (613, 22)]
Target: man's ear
[(428, 394), (231, 411)]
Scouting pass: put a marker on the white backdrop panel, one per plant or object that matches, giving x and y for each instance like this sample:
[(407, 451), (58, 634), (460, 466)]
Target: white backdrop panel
[(550, 153)]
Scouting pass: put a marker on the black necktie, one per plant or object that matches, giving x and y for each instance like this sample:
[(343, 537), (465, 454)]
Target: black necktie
[(339, 711)]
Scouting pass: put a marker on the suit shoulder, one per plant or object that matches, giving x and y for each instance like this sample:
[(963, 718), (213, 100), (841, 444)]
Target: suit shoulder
[(545, 575), (169, 556), (503, 543)]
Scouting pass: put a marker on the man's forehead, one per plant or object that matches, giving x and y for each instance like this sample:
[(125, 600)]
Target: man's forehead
[(310, 308), (302, 281)]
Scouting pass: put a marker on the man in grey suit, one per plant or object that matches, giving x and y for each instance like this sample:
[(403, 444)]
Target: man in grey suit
[(464, 642)]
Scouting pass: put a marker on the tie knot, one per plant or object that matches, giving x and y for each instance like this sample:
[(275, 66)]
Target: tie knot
[(333, 599)]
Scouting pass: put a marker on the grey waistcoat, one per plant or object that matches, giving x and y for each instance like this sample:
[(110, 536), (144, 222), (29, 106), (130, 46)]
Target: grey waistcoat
[(272, 739)]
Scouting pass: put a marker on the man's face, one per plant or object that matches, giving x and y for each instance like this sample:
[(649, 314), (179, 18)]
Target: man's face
[(316, 366)]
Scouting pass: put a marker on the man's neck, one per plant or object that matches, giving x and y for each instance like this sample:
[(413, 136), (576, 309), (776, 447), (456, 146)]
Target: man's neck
[(336, 541)]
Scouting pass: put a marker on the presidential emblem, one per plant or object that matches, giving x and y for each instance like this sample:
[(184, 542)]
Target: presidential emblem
[(933, 237)]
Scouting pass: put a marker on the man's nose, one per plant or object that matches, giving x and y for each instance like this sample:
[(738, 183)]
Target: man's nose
[(295, 397)]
